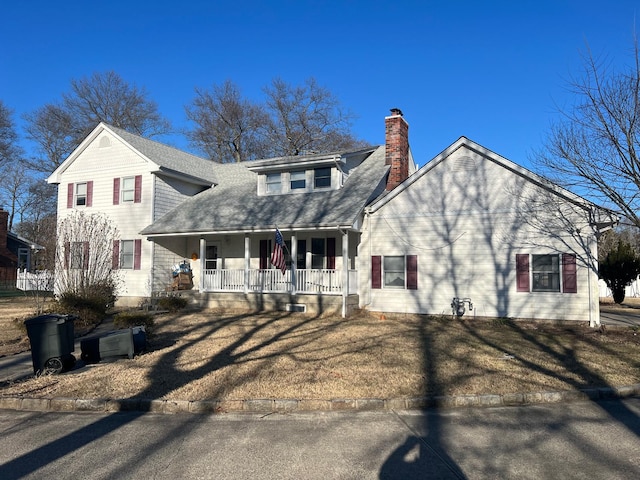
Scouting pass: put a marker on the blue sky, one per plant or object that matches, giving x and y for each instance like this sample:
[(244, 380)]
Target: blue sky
[(493, 71)]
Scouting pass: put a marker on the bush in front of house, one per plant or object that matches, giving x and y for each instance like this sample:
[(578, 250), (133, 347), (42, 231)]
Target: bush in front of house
[(89, 306), (134, 318), (172, 303)]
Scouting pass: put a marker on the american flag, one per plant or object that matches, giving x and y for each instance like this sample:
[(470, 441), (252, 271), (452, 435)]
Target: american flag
[(277, 257)]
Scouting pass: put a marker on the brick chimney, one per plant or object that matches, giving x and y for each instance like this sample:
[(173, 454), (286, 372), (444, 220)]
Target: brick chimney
[(397, 148)]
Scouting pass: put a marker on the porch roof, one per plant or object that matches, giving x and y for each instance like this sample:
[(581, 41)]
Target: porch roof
[(234, 204)]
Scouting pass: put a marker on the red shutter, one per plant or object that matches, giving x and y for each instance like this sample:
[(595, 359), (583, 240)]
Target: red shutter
[(85, 257), (569, 273), (115, 261), (376, 271), (70, 195), (522, 272), (137, 253), (264, 254), (89, 193), (116, 191), (412, 272), (67, 254), (137, 195), (331, 253)]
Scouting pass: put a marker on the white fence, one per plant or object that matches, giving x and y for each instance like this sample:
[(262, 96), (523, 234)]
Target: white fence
[(42, 280), (632, 291), (307, 281)]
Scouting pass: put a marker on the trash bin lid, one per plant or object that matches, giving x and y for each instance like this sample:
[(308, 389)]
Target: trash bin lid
[(48, 318)]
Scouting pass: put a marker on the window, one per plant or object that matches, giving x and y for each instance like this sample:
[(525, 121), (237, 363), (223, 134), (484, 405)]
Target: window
[(322, 177), (317, 253), (274, 185), (128, 189), (298, 180), (394, 271), (301, 261), (79, 194), (77, 255), (23, 258), (127, 254), (546, 273), (211, 257)]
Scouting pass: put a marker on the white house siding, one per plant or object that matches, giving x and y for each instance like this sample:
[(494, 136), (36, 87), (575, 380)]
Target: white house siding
[(171, 192), (466, 219), (103, 160)]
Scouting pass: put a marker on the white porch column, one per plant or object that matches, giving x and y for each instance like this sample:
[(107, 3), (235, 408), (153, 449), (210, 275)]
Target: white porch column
[(345, 271), (247, 261), (203, 253), (294, 267)]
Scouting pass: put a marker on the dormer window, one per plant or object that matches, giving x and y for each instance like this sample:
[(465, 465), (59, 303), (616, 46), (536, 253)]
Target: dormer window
[(298, 180), (274, 184), (322, 177)]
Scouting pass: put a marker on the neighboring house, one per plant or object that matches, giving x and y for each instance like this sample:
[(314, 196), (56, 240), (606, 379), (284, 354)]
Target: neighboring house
[(16, 253), (364, 228)]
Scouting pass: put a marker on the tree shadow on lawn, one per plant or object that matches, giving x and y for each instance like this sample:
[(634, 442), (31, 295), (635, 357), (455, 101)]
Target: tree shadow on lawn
[(164, 368), (565, 356)]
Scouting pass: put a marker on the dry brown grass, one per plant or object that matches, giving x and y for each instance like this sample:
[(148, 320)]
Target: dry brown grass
[(214, 355)]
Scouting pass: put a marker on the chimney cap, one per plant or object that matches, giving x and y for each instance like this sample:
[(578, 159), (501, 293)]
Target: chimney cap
[(396, 111)]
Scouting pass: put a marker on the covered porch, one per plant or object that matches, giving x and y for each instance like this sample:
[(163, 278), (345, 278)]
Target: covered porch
[(319, 262)]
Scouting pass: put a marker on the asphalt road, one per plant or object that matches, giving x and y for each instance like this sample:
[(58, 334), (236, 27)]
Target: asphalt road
[(580, 440)]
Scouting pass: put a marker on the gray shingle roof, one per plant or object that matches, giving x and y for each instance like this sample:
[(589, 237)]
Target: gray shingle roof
[(170, 159), (234, 205)]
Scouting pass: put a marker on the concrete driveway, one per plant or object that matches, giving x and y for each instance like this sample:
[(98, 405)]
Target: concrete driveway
[(620, 315)]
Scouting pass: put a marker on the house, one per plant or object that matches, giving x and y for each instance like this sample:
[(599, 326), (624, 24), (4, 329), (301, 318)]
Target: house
[(470, 231), (16, 253)]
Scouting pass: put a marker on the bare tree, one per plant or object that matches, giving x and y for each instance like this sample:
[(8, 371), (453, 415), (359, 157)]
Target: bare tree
[(84, 254), (9, 149), (593, 149), (52, 129), (307, 118), (227, 126), (103, 97), (106, 97), (294, 121)]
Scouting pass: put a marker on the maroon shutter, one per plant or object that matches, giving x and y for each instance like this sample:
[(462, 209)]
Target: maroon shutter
[(522, 272), (116, 191), (137, 195), (89, 193), (67, 254), (85, 257), (70, 195), (264, 253), (569, 273), (115, 261), (331, 253), (137, 253), (412, 272), (376, 271)]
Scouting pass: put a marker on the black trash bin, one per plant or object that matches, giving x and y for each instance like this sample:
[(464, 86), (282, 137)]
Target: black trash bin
[(51, 337)]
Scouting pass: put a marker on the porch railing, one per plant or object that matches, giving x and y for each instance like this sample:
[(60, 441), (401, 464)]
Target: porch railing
[(263, 281)]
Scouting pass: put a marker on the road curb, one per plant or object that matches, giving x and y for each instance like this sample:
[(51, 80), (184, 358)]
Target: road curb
[(308, 405)]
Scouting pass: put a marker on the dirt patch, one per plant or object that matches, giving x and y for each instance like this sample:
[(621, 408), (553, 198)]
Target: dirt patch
[(224, 355)]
